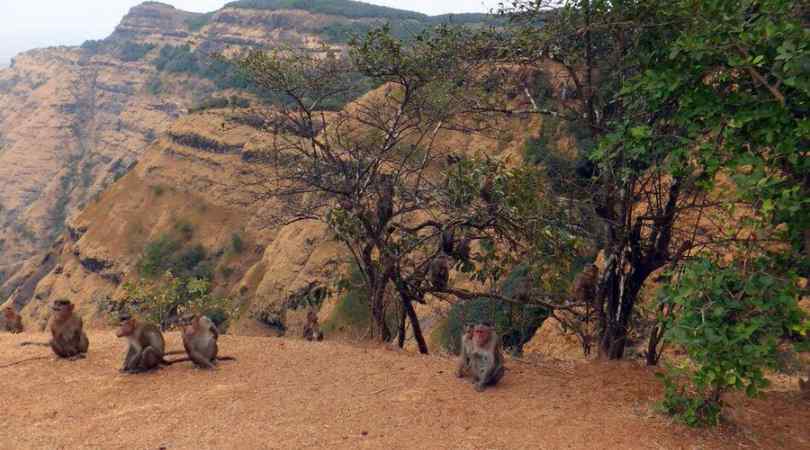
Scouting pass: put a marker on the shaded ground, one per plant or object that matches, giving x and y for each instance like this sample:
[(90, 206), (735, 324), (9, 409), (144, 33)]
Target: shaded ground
[(284, 393)]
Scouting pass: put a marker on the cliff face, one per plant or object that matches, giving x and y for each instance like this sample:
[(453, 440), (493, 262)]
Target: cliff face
[(72, 119)]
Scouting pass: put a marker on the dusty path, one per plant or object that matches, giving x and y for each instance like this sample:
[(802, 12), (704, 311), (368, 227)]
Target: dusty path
[(287, 394)]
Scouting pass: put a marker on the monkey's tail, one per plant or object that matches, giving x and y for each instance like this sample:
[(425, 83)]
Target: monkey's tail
[(41, 344), (175, 352), (226, 358), (173, 361), (23, 361)]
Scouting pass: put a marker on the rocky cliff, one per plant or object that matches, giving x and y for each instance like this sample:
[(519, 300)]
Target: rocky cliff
[(74, 119)]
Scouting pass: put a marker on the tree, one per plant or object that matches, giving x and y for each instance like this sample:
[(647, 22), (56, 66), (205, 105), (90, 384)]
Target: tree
[(407, 208), (678, 97)]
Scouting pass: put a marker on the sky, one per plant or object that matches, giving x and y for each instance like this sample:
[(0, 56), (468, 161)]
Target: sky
[(28, 24)]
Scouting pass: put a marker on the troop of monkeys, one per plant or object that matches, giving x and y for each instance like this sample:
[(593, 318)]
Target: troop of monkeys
[(481, 353), (146, 348)]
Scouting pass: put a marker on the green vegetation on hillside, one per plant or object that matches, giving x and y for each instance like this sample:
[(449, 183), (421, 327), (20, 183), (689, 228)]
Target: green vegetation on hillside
[(345, 8)]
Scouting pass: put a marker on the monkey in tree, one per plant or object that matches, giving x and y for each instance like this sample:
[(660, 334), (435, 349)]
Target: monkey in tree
[(487, 357), (439, 272), (385, 205), (13, 320), (200, 337), (464, 361), (584, 289), (146, 346), (312, 329), (68, 339)]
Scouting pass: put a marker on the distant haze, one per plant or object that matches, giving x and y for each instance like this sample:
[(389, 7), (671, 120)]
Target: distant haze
[(29, 24)]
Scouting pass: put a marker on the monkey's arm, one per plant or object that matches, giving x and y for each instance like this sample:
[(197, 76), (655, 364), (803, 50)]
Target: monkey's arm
[(131, 360), (463, 364)]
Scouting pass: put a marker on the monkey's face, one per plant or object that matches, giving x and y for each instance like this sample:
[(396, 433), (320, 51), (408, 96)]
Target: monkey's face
[(62, 309), (126, 329), (482, 334)]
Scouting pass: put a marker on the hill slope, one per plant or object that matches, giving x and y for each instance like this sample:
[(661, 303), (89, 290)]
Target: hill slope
[(285, 393)]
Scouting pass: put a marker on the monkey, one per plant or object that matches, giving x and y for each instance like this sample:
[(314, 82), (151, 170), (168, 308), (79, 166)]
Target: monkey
[(466, 352), (13, 320), (487, 190), (448, 239), (68, 339), (200, 337), (385, 205), (146, 346), (462, 252), (312, 330), (584, 289), (487, 357), (439, 272)]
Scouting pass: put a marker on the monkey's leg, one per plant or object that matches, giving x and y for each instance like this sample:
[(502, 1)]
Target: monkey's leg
[(496, 377), (200, 360), (150, 359), (463, 366), (84, 343), (132, 361), (60, 348)]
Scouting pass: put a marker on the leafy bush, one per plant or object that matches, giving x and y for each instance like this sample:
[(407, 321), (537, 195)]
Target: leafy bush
[(516, 324), (156, 256), (132, 51), (237, 243), (197, 22), (164, 300), (730, 323), (344, 8), (352, 310)]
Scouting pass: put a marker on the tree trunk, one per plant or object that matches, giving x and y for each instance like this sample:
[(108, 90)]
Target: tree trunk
[(401, 337), (619, 295), (379, 329), (417, 329)]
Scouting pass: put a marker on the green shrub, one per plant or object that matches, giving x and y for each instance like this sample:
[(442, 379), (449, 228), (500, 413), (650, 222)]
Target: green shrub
[(156, 256), (197, 22), (132, 51), (168, 298), (730, 323), (237, 243), (352, 310), (516, 324)]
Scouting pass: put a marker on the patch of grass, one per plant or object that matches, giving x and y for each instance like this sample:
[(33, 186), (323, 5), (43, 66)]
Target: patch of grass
[(352, 311)]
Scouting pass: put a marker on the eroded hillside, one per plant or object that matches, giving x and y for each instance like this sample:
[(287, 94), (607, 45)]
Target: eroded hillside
[(72, 120)]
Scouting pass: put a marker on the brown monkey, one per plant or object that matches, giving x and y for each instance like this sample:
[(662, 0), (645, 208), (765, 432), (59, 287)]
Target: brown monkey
[(584, 290), (439, 272), (200, 337), (68, 339), (312, 330), (385, 205), (13, 320), (466, 352), (146, 346), (462, 252), (487, 357)]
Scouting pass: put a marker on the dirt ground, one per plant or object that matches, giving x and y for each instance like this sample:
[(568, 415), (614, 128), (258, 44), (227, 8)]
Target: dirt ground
[(287, 394)]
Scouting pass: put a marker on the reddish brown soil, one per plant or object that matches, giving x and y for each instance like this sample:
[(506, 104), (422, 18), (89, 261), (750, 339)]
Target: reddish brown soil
[(284, 393)]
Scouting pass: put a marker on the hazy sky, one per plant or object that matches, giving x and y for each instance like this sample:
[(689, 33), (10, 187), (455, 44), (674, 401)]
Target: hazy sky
[(27, 24)]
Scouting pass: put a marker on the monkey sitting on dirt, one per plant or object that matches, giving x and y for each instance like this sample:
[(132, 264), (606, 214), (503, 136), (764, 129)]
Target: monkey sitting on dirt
[(312, 330), (200, 337), (13, 320), (481, 356), (68, 339), (145, 345)]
